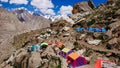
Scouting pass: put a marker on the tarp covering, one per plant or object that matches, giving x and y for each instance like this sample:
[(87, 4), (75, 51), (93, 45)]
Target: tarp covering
[(91, 29), (79, 29), (104, 30), (97, 29)]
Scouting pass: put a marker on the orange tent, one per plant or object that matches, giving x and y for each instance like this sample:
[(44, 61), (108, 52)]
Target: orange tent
[(76, 60), (50, 43), (59, 44)]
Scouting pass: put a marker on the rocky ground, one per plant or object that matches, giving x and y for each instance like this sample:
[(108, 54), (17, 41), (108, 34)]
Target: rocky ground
[(108, 47)]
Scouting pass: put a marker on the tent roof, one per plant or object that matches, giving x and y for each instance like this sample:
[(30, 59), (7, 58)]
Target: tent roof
[(66, 50), (74, 56), (59, 44), (42, 44)]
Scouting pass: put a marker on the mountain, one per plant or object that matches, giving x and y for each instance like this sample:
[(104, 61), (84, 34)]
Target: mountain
[(11, 25), (90, 45)]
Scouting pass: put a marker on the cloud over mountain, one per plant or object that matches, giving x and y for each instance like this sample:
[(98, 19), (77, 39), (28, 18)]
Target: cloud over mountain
[(18, 1), (65, 10), (4, 0), (45, 6)]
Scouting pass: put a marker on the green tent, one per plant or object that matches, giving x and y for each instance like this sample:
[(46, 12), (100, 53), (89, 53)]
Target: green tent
[(43, 45)]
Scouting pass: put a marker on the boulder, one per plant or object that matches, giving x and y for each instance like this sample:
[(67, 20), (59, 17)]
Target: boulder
[(66, 28), (35, 60), (113, 41), (94, 42), (82, 36), (83, 7)]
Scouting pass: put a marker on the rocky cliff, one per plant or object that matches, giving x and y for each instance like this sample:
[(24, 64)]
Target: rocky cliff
[(83, 7)]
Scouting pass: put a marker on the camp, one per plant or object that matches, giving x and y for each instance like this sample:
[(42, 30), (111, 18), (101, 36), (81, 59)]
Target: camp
[(65, 52), (76, 60)]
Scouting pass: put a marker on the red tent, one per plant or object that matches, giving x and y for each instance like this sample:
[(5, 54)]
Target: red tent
[(76, 60), (104, 64)]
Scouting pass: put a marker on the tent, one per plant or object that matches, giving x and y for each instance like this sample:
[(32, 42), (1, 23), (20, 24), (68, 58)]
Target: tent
[(104, 30), (104, 64), (91, 29), (97, 29), (79, 29), (65, 52), (43, 45), (76, 60), (33, 48), (59, 44), (50, 43)]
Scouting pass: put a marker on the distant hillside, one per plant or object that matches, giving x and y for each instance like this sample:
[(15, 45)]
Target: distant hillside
[(10, 25)]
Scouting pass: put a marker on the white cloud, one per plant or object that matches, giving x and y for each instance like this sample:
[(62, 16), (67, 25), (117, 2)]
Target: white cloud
[(18, 1), (0, 5), (48, 11), (65, 10), (45, 6), (4, 0)]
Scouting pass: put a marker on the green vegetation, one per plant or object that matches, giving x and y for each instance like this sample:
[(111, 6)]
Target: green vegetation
[(59, 65), (91, 22), (75, 44)]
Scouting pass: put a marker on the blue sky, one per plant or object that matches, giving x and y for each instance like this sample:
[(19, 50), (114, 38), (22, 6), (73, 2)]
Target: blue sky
[(50, 7)]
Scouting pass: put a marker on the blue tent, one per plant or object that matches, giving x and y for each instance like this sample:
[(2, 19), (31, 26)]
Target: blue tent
[(79, 29), (33, 48), (104, 30), (91, 29), (97, 29)]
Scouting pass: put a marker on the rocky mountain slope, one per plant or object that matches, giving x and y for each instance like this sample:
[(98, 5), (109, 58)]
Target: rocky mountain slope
[(11, 26), (84, 43)]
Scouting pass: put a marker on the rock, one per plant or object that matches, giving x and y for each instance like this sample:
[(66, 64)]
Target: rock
[(69, 20), (113, 41), (108, 54), (80, 52), (34, 60), (66, 28), (66, 35), (83, 7), (82, 36), (94, 42), (117, 12), (10, 26), (109, 33), (114, 25), (18, 61)]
